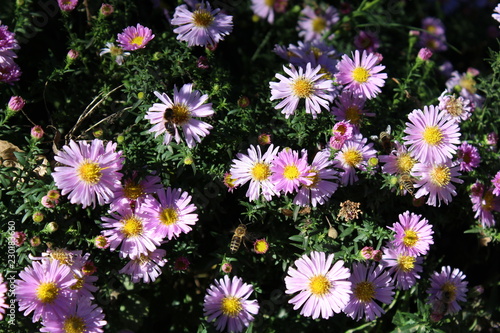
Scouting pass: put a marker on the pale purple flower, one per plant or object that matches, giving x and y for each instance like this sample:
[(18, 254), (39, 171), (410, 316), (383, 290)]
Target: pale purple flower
[(468, 156), (354, 154), (432, 136), (135, 191), (436, 181), (459, 109), (172, 214), (3, 292), (399, 161), (306, 84), (67, 5), (314, 24), (289, 171), (370, 283), (169, 115), (9, 72), (116, 52), (317, 52), (367, 40), (321, 188), (134, 38), (413, 234), (361, 74), (146, 267), (7, 39), (203, 26), (448, 287), (404, 267), (226, 302), (349, 107), (255, 168), (322, 287), (496, 184), (484, 203), (465, 85), (81, 316), (264, 9), (433, 37), (44, 289), (130, 230)]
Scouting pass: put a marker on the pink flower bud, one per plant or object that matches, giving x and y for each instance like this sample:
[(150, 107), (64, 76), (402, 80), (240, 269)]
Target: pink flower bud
[(16, 103)]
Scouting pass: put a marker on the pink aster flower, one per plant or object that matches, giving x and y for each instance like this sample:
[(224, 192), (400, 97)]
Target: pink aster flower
[(81, 316), (145, 267), (289, 171), (131, 231), (399, 161), (354, 154), (203, 26), (135, 191), (436, 181), (484, 203), (404, 267), (227, 303), (18, 238), (90, 171), (169, 115), (370, 283), (67, 5), (9, 72), (8, 39), (468, 156), (255, 168), (313, 24), (459, 109), (134, 38), (432, 136), (3, 291), (448, 287), (323, 289), (44, 289), (172, 214), (413, 234), (306, 84), (321, 187), (367, 40), (350, 108), (361, 74)]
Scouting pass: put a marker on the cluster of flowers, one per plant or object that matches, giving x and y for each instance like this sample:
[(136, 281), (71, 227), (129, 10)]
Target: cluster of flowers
[(9, 70), (59, 289), (143, 213), (3, 297)]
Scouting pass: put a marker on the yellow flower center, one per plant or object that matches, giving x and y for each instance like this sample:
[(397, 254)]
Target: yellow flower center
[(454, 107), (353, 114), (260, 171), (291, 172), (231, 306), (404, 163), (431, 29), (487, 202), (137, 40), (410, 238), (115, 51), (319, 285), (169, 216), (261, 246), (89, 172), (302, 87), (314, 179), (449, 292), (74, 324), (202, 18), (269, 3), (364, 291), (432, 135), (440, 175), (179, 114), (132, 226), (47, 292), (318, 24), (360, 75), (64, 257), (468, 84), (406, 263), (78, 284), (353, 157), (133, 191)]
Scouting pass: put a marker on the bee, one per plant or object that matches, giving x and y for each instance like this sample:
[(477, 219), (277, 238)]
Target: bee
[(169, 121), (406, 183), (385, 139), (237, 239)]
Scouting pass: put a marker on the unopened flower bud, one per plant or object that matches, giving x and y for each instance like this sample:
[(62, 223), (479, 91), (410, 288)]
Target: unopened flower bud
[(16, 103), (37, 217), (37, 132), (243, 102), (424, 54), (35, 241), (106, 9), (73, 54), (226, 267), (51, 227)]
